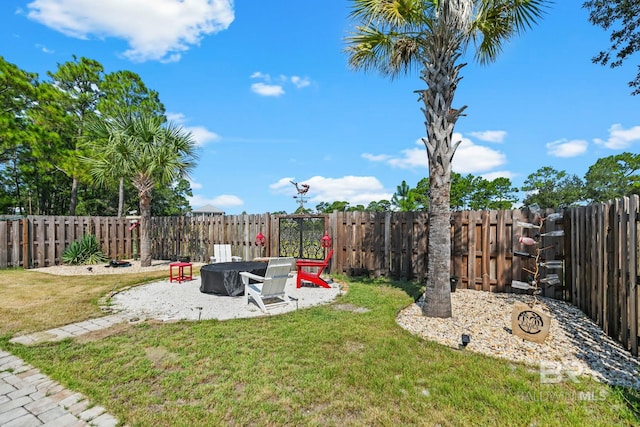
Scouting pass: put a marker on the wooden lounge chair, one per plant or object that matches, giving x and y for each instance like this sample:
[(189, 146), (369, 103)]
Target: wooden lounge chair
[(269, 290), (222, 253), (306, 275)]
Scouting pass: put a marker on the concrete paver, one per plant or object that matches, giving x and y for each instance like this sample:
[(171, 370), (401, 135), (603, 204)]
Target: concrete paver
[(30, 398), (26, 420)]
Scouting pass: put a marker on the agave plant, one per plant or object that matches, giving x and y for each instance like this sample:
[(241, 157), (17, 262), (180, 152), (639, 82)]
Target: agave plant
[(84, 251)]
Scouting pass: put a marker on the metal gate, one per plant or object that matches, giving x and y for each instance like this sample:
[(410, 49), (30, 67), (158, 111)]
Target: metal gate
[(300, 236)]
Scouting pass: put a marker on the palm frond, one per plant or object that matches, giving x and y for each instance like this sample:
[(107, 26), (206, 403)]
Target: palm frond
[(390, 35), (497, 21), (528, 12), (389, 53), (368, 48), (393, 14)]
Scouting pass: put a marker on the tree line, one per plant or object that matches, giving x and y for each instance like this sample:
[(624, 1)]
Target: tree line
[(609, 178), (50, 142), (67, 143)]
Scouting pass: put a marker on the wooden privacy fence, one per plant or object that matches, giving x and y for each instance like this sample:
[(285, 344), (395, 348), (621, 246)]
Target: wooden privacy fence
[(602, 266), (378, 243), (40, 241), (600, 250)]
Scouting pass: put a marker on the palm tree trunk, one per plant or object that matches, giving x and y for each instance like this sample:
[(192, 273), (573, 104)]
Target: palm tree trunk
[(438, 289), (441, 76), (145, 224), (74, 196), (121, 197)]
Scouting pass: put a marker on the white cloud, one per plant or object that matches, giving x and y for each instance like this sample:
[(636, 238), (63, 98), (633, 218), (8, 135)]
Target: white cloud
[(376, 157), (227, 200), (259, 75), (264, 89), (222, 201), (45, 49), (194, 185), (199, 133), (411, 158), (490, 135), (353, 189), (469, 157), (620, 138), (176, 117), (565, 148), (282, 183), (300, 82), (157, 30), (472, 158), (202, 135)]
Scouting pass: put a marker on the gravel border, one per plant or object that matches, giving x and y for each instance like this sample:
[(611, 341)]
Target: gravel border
[(105, 268), (575, 345)]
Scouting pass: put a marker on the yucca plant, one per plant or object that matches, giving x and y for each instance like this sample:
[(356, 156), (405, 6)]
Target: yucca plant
[(84, 251)]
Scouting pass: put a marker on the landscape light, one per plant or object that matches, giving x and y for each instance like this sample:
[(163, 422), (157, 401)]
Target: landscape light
[(466, 339)]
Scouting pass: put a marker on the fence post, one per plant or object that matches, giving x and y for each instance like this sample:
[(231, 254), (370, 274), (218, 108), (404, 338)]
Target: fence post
[(25, 243)]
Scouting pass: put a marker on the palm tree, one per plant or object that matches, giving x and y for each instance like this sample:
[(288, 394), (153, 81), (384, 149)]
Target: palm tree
[(146, 150), (395, 36)]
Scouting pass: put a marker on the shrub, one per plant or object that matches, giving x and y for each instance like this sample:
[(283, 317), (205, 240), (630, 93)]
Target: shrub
[(84, 251)]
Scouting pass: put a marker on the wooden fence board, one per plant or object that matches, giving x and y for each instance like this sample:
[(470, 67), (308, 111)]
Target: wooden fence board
[(26, 246), (358, 240), (517, 263), (471, 249), (4, 243), (623, 250), (634, 254), (396, 248), (612, 265), (615, 272), (407, 233), (457, 251), (602, 263), (387, 243), (501, 249), (593, 280), (583, 252)]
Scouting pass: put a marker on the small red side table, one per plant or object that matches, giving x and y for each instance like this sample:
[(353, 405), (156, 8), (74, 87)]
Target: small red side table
[(181, 276)]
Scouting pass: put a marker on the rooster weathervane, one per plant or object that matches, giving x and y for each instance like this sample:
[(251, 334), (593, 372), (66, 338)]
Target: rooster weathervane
[(302, 190)]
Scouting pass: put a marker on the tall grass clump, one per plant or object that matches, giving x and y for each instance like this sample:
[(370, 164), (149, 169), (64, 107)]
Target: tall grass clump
[(84, 251)]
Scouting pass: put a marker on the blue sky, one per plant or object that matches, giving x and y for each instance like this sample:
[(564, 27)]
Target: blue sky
[(265, 88)]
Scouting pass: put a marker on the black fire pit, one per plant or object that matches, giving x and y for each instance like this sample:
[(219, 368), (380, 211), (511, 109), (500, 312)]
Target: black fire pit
[(223, 278)]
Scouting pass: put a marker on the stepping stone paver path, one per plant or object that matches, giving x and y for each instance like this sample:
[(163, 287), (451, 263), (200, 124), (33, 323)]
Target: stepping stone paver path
[(30, 398)]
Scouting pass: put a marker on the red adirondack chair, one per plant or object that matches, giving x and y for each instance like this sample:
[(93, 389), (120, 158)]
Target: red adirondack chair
[(311, 275)]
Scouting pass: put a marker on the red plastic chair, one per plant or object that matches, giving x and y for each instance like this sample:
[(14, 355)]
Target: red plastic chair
[(311, 276)]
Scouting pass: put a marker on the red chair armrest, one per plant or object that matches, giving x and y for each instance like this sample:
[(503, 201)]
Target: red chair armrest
[(305, 263)]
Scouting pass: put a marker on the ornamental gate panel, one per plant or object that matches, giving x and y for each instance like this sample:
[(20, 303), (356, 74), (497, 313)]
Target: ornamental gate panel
[(300, 236)]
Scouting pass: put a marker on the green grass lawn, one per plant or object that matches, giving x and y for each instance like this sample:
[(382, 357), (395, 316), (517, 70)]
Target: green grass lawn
[(314, 367)]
